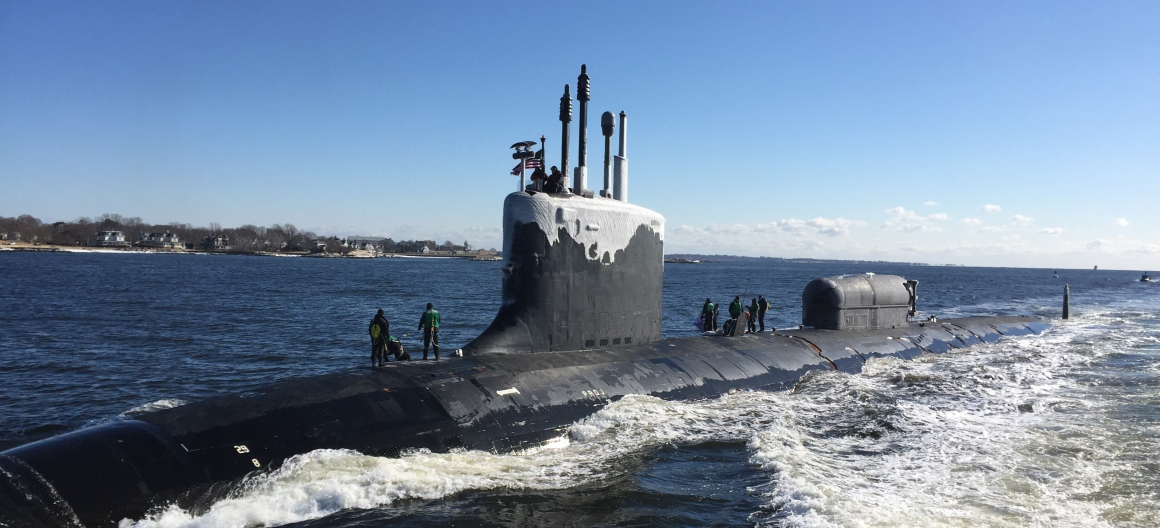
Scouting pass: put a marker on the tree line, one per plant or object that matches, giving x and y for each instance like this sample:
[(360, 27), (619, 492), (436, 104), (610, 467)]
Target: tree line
[(246, 238)]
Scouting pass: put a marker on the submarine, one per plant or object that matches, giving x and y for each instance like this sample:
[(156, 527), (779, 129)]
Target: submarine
[(579, 327)]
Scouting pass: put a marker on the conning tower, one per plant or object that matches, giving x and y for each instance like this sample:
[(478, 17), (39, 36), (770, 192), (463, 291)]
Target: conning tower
[(580, 271)]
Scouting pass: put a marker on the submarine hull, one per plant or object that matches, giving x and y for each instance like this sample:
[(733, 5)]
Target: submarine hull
[(190, 455)]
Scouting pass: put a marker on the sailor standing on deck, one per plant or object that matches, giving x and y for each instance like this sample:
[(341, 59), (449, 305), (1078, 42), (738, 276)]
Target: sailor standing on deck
[(380, 331), (762, 307), (751, 322), (709, 315), (429, 324)]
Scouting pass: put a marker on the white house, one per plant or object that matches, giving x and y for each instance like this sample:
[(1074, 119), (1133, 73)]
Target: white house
[(159, 240), (110, 239)]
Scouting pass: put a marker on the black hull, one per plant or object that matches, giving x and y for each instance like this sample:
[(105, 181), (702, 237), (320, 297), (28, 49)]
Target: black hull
[(499, 403)]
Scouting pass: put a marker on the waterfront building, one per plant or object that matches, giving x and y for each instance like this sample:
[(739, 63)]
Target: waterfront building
[(159, 240), (216, 242), (110, 239), (375, 245)]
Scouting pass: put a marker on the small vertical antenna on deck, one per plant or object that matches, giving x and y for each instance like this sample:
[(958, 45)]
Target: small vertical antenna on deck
[(1066, 294)]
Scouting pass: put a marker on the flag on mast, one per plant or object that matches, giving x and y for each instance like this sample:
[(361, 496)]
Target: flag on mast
[(529, 163)]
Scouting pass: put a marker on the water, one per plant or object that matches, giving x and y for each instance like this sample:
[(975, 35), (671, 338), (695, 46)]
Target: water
[(1055, 430)]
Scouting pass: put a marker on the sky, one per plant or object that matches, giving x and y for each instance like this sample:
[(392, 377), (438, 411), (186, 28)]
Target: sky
[(977, 133)]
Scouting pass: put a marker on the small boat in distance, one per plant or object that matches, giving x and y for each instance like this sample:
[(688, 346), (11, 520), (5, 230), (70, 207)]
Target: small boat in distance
[(1055, 276), (1146, 277)]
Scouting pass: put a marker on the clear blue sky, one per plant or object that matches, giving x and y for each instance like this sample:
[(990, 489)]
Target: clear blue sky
[(989, 133)]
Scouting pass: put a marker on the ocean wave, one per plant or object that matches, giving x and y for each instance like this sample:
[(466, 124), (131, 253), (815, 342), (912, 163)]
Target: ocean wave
[(167, 403), (999, 435)]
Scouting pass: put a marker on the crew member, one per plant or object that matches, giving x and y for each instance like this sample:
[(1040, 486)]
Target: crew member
[(555, 182), (539, 177), (735, 310), (429, 324), (762, 307), (380, 331), (752, 320), (395, 347), (709, 315)]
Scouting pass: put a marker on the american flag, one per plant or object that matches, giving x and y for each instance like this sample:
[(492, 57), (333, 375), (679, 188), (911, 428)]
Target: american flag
[(529, 163)]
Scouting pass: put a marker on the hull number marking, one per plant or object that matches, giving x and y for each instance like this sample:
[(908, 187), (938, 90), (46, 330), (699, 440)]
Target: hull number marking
[(505, 392), (242, 449), (255, 461)]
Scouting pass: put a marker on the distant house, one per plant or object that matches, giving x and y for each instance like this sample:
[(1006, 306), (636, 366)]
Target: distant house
[(324, 245), (375, 245), (159, 240), (109, 239), (361, 242), (216, 242), (425, 250)]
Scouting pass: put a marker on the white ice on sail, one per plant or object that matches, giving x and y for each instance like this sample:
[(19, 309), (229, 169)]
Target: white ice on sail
[(606, 223)]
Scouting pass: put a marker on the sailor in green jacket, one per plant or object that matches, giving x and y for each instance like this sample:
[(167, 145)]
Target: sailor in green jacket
[(735, 308), (429, 324), (709, 315)]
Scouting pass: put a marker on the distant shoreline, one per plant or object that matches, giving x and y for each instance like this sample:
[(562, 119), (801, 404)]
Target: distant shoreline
[(677, 258), (688, 258), (683, 258), (31, 248)]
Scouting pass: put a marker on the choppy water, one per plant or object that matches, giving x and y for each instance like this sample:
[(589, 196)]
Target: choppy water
[(1056, 430)]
